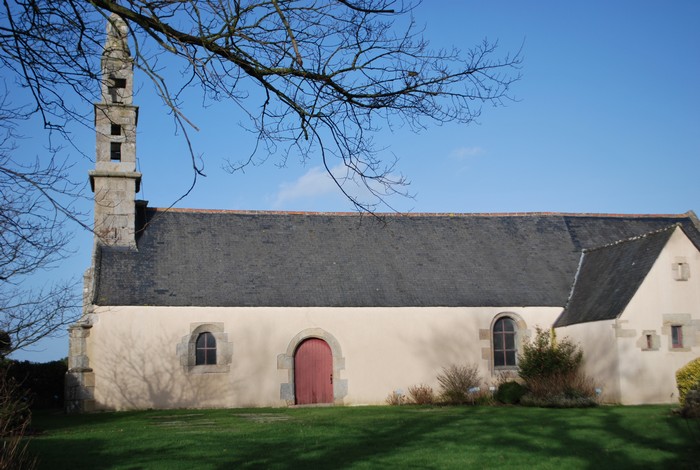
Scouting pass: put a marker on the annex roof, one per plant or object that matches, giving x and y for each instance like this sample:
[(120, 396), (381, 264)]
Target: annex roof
[(609, 276), (234, 258)]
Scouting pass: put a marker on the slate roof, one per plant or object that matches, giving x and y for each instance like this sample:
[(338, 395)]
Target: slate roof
[(609, 276), (230, 258)]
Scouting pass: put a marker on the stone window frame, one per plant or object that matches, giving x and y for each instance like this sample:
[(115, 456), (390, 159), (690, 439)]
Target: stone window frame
[(285, 361), (681, 269), (649, 336), (186, 349), (521, 334), (688, 330)]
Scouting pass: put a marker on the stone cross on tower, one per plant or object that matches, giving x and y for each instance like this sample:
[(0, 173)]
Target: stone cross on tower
[(115, 180)]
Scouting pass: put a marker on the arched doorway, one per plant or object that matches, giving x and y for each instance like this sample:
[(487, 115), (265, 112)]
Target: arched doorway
[(313, 372)]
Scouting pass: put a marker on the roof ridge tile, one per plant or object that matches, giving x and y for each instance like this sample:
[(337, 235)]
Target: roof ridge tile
[(415, 214), (634, 238)]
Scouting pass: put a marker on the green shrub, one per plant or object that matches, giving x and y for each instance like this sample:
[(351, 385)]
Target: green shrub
[(510, 392), (43, 382), (421, 394), (691, 407), (545, 356), (552, 373), (687, 377), (459, 384)]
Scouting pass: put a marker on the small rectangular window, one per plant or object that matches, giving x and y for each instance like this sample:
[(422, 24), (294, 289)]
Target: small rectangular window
[(116, 129), (681, 271), (115, 151), (676, 336), (650, 342)]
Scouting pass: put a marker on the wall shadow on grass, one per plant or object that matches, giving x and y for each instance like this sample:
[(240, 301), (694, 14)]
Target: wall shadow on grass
[(413, 437), (481, 437)]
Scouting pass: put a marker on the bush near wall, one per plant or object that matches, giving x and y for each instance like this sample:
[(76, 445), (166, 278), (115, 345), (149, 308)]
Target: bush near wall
[(510, 393), (421, 394), (691, 408), (545, 356), (551, 370), (687, 378), (43, 382), (460, 384)]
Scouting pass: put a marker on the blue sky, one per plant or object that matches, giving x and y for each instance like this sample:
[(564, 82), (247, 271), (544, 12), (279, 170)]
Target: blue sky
[(607, 120)]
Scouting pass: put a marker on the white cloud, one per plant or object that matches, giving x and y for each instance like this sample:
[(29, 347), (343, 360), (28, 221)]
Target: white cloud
[(314, 183), (315, 190), (463, 153)]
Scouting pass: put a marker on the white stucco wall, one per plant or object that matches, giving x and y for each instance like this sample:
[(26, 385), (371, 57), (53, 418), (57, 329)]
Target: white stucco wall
[(600, 360), (648, 376), (133, 351)]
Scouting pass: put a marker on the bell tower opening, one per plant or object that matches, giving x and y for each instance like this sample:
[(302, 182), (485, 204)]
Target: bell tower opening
[(116, 90)]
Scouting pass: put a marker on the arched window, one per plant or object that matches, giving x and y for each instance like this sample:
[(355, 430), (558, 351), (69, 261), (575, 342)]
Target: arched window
[(205, 349), (505, 351)]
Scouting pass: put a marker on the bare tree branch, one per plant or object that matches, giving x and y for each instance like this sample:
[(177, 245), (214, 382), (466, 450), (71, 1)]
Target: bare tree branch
[(36, 199), (316, 79)]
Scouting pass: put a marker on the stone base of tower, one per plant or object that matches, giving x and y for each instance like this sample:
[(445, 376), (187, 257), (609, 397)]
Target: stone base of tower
[(80, 378), (80, 391)]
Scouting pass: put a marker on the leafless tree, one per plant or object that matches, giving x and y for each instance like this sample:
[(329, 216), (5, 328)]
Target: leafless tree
[(316, 78), (35, 203)]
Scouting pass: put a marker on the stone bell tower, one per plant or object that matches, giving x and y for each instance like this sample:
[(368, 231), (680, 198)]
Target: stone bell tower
[(115, 183), (115, 180)]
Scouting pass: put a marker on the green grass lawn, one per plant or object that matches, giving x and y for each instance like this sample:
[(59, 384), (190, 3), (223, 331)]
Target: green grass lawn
[(370, 437)]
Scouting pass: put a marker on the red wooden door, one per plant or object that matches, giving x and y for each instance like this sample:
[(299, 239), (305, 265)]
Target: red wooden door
[(313, 372)]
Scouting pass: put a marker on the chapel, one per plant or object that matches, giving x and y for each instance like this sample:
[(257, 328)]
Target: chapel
[(196, 308)]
